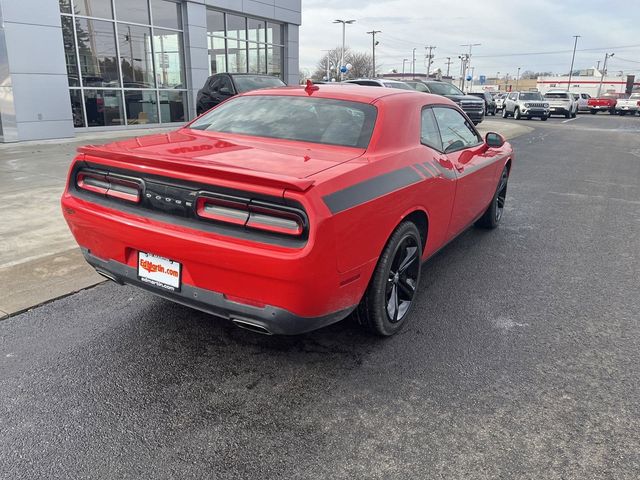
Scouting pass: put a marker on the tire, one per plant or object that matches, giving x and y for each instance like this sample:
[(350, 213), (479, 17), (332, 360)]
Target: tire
[(592, 112), (567, 115), (544, 119), (493, 214), (505, 114), (390, 297), (516, 114), (622, 113), (612, 112), (574, 114)]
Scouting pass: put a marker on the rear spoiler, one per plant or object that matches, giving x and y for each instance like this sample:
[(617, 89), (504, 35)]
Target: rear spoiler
[(204, 168)]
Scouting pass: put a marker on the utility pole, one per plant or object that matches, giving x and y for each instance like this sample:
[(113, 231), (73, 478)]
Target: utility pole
[(518, 79), (604, 71), (448, 65), (413, 70), (404, 60), (575, 44), (468, 62), (463, 68), (428, 58), (374, 43), (344, 25)]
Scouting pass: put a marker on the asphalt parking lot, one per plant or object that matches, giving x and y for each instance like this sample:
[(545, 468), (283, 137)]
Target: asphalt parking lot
[(523, 361)]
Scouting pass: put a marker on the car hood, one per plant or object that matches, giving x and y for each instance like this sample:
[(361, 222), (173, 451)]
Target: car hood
[(466, 98), (212, 152)]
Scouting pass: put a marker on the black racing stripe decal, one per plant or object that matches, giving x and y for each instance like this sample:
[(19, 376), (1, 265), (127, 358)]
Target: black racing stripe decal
[(423, 170), (444, 171), (369, 189), (431, 169)]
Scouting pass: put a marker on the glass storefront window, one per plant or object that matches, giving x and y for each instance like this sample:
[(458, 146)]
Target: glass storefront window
[(135, 56), (104, 108), (166, 14), (215, 23), (70, 51), (274, 33), (97, 51), (256, 30), (134, 11), (217, 55), (168, 54), (65, 6), (93, 8), (236, 27), (172, 106), (274, 60), (76, 107), (141, 106), (237, 55), (257, 60)]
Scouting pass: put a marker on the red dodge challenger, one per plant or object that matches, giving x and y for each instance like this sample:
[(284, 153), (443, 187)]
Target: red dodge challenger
[(285, 210)]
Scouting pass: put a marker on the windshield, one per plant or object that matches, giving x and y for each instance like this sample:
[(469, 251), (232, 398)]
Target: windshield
[(246, 83), (530, 96), (556, 95), (317, 120), (402, 86), (418, 86), (443, 88), (635, 96)]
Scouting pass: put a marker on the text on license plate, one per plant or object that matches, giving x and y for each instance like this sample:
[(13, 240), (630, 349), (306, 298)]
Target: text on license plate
[(159, 271)]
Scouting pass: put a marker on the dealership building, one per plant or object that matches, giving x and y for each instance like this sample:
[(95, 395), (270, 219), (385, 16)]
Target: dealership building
[(70, 66)]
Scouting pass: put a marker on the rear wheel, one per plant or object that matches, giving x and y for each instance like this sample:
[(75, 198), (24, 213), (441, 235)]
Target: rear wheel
[(388, 301), (493, 214), (567, 115)]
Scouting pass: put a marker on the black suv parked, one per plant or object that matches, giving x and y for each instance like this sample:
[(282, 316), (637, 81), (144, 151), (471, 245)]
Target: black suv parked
[(221, 86), (472, 106), (489, 103)]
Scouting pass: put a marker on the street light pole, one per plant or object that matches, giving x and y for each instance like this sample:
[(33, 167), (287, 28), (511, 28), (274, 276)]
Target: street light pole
[(468, 62), (344, 25), (604, 71), (573, 57), (373, 34), (518, 79), (403, 61), (429, 57), (413, 70)]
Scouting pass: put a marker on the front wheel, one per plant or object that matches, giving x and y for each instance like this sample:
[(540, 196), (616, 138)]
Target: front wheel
[(593, 112), (389, 299), (493, 214), (505, 114), (544, 118), (516, 114)]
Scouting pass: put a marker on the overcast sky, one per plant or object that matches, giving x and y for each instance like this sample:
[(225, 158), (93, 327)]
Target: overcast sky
[(513, 33)]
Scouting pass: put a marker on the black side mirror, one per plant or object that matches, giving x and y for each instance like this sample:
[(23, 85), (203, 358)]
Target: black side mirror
[(494, 140)]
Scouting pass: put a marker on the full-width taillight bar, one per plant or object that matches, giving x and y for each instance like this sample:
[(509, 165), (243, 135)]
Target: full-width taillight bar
[(255, 214), (110, 185)]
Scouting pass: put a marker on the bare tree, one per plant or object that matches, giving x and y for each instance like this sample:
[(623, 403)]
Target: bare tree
[(361, 64)]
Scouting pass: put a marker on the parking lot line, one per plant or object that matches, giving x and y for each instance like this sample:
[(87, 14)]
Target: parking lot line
[(570, 120)]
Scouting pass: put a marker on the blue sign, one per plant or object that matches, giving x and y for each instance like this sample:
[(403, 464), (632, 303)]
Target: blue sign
[(469, 78), (483, 79), (343, 69)]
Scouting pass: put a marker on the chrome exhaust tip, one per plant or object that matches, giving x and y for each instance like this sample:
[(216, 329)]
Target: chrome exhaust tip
[(253, 327), (108, 276)]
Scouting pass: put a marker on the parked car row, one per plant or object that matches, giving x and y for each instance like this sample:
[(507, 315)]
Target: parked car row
[(615, 104)]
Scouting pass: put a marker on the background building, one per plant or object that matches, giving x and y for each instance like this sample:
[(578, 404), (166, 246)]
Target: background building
[(588, 81), (79, 65)]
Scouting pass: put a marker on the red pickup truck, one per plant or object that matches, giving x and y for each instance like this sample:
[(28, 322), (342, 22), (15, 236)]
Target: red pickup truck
[(602, 104)]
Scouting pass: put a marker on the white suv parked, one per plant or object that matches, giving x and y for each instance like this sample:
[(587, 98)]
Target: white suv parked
[(561, 102), (525, 104)]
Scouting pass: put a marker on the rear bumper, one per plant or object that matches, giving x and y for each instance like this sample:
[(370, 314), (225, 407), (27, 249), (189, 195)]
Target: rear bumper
[(267, 319)]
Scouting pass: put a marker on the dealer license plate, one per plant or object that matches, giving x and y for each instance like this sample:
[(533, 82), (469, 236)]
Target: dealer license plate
[(159, 271)]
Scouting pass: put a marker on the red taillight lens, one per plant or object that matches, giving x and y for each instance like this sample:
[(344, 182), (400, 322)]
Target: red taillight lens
[(251, 213), (110, 185)]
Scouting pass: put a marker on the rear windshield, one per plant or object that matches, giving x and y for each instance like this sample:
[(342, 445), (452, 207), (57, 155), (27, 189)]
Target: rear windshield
[(530, 96), (316, 120), (402, 86), (443, 88), (246, 83), (556, 95)]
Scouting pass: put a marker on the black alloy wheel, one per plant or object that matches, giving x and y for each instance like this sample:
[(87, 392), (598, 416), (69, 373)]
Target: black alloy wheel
[(389, 299), (493, 214)]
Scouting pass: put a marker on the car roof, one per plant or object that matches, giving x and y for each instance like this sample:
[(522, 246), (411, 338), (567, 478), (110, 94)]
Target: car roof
[(337, 91)]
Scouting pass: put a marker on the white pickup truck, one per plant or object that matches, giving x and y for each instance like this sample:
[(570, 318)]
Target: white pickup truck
[(628, 105)]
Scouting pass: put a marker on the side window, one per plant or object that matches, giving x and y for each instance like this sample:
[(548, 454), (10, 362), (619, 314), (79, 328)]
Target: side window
[(225, 86), (455, 130), (429, 134), (214, 84), (512, 96)]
